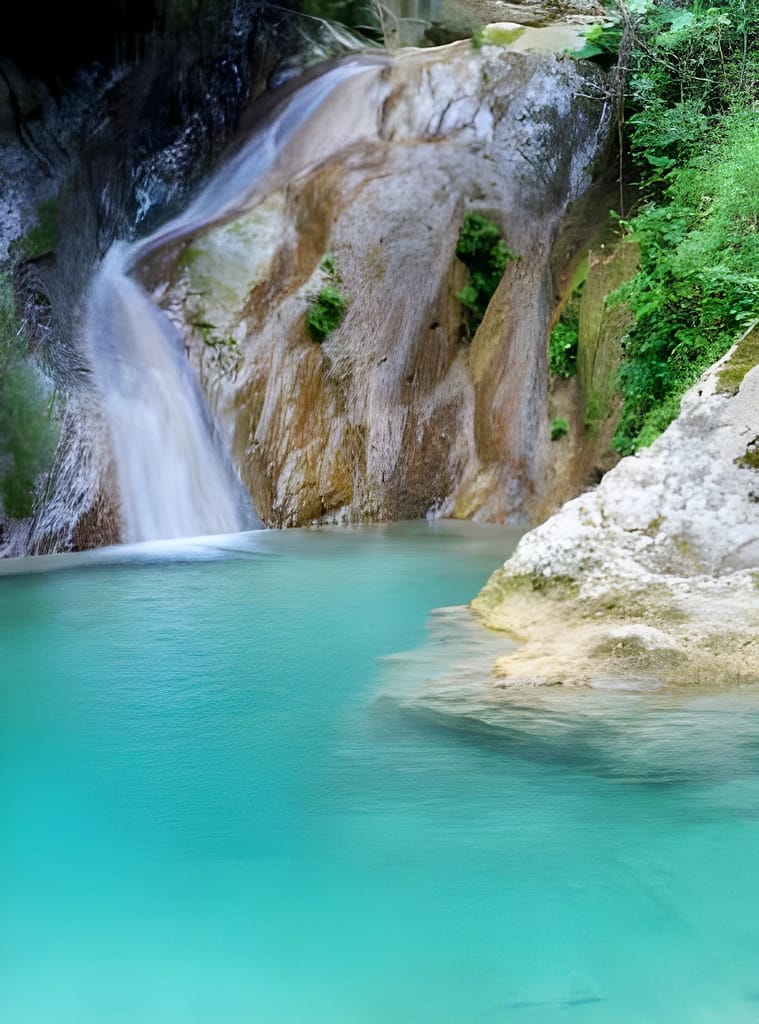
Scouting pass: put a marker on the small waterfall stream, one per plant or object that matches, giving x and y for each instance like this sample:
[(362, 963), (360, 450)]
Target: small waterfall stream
[(175, 478)]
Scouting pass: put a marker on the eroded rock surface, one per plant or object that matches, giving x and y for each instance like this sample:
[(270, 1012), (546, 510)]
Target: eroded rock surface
[(395, 415), (653, 577)]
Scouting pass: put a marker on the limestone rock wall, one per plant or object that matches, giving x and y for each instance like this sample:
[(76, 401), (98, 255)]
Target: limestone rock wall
[(395, 415)]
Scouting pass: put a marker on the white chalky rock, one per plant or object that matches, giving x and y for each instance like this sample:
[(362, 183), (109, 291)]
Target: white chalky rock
[(655, 573)]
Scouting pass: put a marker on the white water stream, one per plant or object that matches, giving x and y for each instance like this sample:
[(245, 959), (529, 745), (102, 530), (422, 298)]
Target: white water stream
[(175, 478)]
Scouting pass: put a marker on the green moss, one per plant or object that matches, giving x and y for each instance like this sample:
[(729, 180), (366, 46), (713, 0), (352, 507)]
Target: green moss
[(744, 358), (190, 255), (602, 324), (654, 526), (497, 35), (750, 458), (596, 410), (506, 585), (652, 606), (580, 276), (43, 237)]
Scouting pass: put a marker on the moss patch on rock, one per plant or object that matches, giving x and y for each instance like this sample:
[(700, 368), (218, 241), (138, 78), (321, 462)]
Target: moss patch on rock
[(744, 358), (503, 586), (750, 458)]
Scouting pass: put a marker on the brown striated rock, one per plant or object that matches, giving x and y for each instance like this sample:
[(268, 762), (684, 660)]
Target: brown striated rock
[(395, 415)]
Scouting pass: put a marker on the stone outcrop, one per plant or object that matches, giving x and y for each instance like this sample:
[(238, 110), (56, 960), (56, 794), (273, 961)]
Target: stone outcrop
[(652, 578), (396, 415)]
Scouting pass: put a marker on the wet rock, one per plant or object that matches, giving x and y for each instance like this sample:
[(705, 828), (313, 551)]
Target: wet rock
[(395, 415)]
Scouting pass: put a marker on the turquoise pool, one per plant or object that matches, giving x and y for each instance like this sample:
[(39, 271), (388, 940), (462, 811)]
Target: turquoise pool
[(218, 804)]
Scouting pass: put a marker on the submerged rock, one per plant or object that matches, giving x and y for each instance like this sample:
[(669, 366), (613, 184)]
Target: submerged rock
[(653, 577)]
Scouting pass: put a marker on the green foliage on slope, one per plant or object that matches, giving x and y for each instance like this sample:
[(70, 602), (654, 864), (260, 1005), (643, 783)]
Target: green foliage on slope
[(565, 335), (559, 428), (694, 136), (482, 249), (329, 306), (326, 313), (27, 436)]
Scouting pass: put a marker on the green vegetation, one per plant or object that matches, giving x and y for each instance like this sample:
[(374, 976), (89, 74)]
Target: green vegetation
[(43, 237), (743, 359), (328, 308), (329, 266), (326, 313), (601, 43), (562, 352), (478, 38), (27, 436), (562, 346), (693, 135), (495, 35), (565, 334), (362, 16), (559, 428), (750, 458), (482, 249)]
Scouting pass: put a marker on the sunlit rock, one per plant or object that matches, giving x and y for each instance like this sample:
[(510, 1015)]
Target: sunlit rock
[(654, 574)]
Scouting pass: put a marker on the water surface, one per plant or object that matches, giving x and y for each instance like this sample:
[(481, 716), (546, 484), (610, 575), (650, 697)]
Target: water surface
[(227, 797)]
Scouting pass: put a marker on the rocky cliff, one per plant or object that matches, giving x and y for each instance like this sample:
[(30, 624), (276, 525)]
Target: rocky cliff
[(652, 578), (398, 413)]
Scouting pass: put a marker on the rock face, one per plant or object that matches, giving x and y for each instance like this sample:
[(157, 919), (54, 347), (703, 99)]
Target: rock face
[(93, 152), (396, 415), (652, 578)]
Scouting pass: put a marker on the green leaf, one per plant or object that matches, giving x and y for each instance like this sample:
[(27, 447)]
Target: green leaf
[(588, 50)]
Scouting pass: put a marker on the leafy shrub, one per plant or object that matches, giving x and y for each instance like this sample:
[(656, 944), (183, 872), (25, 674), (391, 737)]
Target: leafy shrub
[(482, 249), (329, 266), (694, 138), (562, 349), (698, 283), (27, 436), (601, 43), (326, 313), (559, 428)]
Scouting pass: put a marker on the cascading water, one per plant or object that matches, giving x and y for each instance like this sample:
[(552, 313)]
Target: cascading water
[(175, 478)]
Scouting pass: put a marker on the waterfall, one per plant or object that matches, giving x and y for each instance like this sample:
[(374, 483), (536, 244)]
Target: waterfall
[(175, 478)]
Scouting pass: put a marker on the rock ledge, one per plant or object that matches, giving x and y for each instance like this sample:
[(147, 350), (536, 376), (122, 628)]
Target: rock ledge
[(652, 578)]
